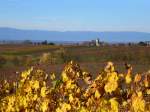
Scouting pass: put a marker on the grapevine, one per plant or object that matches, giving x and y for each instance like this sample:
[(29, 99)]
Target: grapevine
[(110, 91)]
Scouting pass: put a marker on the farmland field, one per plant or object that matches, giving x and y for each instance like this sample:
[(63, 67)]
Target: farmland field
[(16, 58)]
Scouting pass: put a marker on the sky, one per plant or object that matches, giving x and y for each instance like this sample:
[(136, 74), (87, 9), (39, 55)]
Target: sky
[(76, 15)]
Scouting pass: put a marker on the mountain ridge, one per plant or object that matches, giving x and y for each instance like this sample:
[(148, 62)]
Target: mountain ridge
[(7, 33)]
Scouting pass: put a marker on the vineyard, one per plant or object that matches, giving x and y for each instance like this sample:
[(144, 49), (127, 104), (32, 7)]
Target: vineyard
[(77, 91)]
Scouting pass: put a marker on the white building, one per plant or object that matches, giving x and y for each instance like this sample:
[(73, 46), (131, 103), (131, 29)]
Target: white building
[(97, 42), (147, 43)]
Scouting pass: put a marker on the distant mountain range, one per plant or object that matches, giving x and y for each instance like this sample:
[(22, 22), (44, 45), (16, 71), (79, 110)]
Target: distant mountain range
[(18, 34)]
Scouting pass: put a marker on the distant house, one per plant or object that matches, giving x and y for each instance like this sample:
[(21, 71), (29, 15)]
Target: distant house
[(86, 43), (92, 43), (147, 43)]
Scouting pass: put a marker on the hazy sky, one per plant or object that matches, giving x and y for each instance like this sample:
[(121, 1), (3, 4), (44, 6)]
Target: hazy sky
[(62, 15)]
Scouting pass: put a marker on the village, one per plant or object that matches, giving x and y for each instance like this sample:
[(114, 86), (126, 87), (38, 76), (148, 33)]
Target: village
[(97, 42)]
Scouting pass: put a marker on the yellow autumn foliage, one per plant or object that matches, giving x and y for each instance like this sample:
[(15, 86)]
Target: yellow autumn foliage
[(76, 91)]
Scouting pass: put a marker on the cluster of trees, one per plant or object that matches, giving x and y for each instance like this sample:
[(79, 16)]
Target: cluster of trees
[(142, 43), (45, 42)]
